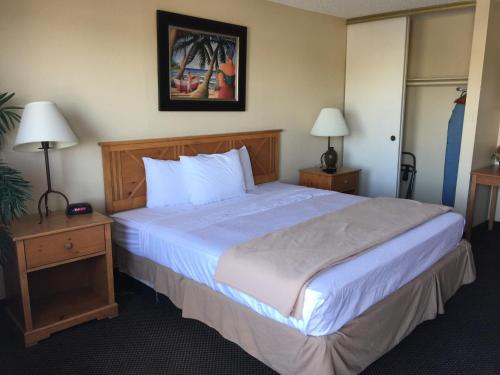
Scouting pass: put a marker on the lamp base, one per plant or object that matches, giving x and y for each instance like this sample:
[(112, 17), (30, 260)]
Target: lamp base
[(45, 147), (330, 170), (45, 197), (329, 160)]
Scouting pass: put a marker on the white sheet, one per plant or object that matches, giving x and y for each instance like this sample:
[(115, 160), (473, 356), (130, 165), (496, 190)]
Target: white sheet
[(190, 240)]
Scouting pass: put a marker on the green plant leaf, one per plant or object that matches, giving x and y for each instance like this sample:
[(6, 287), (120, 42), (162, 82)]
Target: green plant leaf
[(14, 192), (5, 98), (4, 121), (13, 115), (8, 115), (12, 121)]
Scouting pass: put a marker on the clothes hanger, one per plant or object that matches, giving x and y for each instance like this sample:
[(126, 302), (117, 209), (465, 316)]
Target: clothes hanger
[(463, 95)]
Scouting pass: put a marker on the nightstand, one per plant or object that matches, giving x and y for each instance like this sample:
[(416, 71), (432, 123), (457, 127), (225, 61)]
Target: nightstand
[(60, 274), (345, 180)]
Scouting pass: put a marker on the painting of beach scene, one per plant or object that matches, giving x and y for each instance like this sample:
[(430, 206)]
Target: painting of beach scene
[(200, 64)]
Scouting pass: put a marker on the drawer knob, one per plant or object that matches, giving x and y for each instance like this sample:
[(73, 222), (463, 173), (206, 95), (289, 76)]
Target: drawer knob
[(68, 245), (346, 181)]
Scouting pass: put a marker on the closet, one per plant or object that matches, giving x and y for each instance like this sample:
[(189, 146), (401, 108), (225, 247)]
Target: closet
[(438, 64), (403, 75)]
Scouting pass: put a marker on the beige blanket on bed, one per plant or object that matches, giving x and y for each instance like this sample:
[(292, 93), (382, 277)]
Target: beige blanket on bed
[(276, 268)]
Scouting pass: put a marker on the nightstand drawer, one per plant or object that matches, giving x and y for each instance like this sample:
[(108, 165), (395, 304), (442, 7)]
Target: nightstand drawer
[(315, 181), (64, 246), (345, 182)]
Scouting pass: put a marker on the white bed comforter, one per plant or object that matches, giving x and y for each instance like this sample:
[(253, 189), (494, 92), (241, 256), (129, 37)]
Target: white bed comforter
[(189, 240)]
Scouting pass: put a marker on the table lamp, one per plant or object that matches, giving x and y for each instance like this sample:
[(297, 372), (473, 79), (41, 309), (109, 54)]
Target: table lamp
[(42, 128), (330, 123)]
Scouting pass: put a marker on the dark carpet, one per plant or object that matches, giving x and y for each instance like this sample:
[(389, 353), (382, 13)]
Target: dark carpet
[(150, 337)]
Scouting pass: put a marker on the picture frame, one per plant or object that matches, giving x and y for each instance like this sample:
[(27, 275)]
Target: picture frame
[(201, 64)]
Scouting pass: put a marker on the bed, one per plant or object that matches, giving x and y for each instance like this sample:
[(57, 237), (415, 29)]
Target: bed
[(353, 312)]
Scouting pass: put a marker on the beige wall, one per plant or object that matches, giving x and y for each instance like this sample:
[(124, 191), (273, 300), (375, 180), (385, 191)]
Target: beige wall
[(97, 61), (489, 106), (440, 44), (482, 114), (489, 111), (428, 108)]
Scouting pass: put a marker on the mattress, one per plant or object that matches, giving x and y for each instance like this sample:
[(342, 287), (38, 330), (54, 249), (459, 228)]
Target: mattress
[(189, 240)]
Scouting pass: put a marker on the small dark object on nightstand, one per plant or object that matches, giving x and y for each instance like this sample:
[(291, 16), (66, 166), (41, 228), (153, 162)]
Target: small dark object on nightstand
[(78, 209)]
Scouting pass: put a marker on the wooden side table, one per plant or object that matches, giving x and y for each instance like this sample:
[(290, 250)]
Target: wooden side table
[(345, 180), (60, 274), (484, 176)]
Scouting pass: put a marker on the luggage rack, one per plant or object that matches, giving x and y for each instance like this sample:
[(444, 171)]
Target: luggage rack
[(408, 172)]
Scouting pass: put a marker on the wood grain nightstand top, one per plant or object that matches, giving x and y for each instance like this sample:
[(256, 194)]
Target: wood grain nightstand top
[(28, 226), (340, 171)]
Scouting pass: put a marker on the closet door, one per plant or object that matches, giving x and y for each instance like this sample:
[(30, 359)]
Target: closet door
[(374, 101)]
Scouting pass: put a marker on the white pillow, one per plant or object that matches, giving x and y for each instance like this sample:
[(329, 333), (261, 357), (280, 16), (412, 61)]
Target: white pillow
[(164, 183), (246, 165), (213, 178), (247, 168)]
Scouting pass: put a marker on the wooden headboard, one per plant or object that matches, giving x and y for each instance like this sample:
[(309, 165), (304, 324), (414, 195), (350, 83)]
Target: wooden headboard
[(124, 178)]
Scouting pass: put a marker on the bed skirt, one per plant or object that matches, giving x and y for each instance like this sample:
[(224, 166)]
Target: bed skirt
[(347, 351)]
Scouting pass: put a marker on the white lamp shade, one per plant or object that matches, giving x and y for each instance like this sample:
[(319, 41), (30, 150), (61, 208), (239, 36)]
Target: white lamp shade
[(42, 122), (330, 123)]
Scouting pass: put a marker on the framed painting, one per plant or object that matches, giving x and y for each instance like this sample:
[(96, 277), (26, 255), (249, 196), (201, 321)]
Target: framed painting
[(201, 64)]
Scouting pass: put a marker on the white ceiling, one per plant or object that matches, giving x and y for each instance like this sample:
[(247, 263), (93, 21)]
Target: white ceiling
[(358, 8)]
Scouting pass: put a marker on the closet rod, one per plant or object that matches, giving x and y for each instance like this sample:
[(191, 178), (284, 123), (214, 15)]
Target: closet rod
[(437, 81)]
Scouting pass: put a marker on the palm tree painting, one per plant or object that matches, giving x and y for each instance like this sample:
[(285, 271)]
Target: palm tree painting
[(201, 64), (195, 65)]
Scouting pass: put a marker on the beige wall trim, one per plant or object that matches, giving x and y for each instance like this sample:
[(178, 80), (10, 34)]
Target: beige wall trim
[(412, 12)]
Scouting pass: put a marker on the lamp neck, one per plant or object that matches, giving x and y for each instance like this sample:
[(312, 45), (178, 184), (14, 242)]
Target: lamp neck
[(329, 143), (45, 147)]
